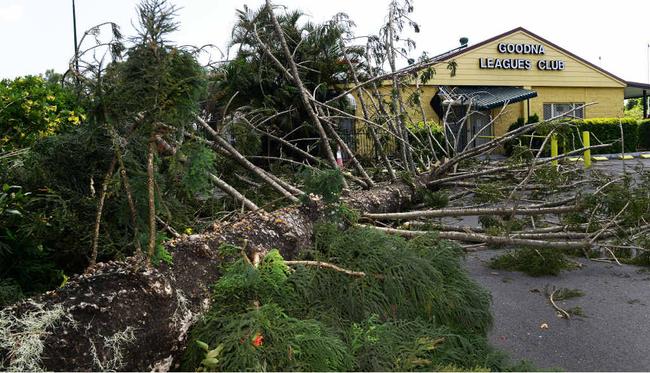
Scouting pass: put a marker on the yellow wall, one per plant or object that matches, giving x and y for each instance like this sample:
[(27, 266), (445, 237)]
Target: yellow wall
[(577, 83), (608, 102), (575, 74)]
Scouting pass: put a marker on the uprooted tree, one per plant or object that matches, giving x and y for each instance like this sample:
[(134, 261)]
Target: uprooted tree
[(163, 146)]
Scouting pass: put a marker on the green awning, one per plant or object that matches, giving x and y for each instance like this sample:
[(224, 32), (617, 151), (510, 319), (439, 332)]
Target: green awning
[(484, 98)]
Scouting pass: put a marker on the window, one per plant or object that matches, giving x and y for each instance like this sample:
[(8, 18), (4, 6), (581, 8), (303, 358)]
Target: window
[(571, 109)]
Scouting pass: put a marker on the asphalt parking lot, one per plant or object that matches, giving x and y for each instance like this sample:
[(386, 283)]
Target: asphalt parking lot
[(614, 334)]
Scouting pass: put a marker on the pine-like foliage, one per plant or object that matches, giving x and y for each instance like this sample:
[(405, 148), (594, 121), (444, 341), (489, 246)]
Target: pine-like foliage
[(532, 261), (416, 309)]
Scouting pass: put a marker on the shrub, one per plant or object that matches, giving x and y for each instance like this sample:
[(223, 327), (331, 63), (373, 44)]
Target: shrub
[(509, 146), (603, 131), (428, 133), (607, 130), (644, 134), (32, 108)]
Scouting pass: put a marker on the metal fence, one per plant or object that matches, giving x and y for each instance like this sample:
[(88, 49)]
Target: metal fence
[(360, 141)]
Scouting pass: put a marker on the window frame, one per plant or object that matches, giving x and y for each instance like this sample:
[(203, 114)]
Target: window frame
[(574, 109)]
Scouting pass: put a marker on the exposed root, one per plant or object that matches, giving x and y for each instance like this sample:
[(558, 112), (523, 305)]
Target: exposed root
[(113, 346), (22, 337)]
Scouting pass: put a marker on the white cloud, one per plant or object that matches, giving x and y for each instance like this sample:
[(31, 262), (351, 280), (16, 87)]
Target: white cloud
[(11, 13)]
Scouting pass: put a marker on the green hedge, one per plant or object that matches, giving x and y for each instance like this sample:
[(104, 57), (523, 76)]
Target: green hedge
[(603, 131), (607, 130), (644, 134)]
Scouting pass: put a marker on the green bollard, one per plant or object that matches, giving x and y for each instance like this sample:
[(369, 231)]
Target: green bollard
[(586, 144)]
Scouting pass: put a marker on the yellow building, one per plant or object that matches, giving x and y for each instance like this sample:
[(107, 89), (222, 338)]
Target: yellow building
[(511, 76)]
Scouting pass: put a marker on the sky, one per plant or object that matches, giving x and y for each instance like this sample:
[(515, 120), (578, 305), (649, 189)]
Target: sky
[(36, 35)]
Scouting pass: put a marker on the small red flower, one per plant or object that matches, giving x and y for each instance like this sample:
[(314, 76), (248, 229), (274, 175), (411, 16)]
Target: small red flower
[(258, 340)]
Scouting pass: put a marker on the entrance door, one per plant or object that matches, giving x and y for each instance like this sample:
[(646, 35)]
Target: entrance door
[(456, 128), (479, 128)]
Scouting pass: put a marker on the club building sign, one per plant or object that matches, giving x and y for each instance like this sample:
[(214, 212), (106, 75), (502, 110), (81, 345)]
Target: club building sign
[(521, 63)]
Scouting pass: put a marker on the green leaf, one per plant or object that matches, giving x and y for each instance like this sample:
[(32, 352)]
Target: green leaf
[(204, 346), (210, 362), (214, 353)]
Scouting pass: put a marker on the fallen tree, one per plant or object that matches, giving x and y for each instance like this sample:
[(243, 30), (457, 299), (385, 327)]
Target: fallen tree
[(130, 315), (77, 326)]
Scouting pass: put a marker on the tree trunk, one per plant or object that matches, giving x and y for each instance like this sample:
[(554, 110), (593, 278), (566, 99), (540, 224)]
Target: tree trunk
[(150, 310), (151, 246), (100, 209)]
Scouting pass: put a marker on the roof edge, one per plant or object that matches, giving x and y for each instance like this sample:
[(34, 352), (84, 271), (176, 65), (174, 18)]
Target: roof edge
[(638, 85)]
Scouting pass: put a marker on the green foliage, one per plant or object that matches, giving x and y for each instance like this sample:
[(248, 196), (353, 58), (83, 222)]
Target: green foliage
[(32, 108), (345, 214), (416, 309), (489, 192), (569, 134), (245, 140), (644, 134), (608, 130), (150, 99), (613, 199), (424, 127), (157, 90), (326, 183), (191, 166), (576, 311), (426, 133), (632, 103), (158, 80), (161, 254), (27, 264), (416, 346), (436, 199), (533, 262), (642, 259), (422, 281), (266, 338), (252, 81), (432, 199), (550, 176), (10, 292), (510, 145), (54, 232), (488, 221), (211, 357), (566, 293)]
